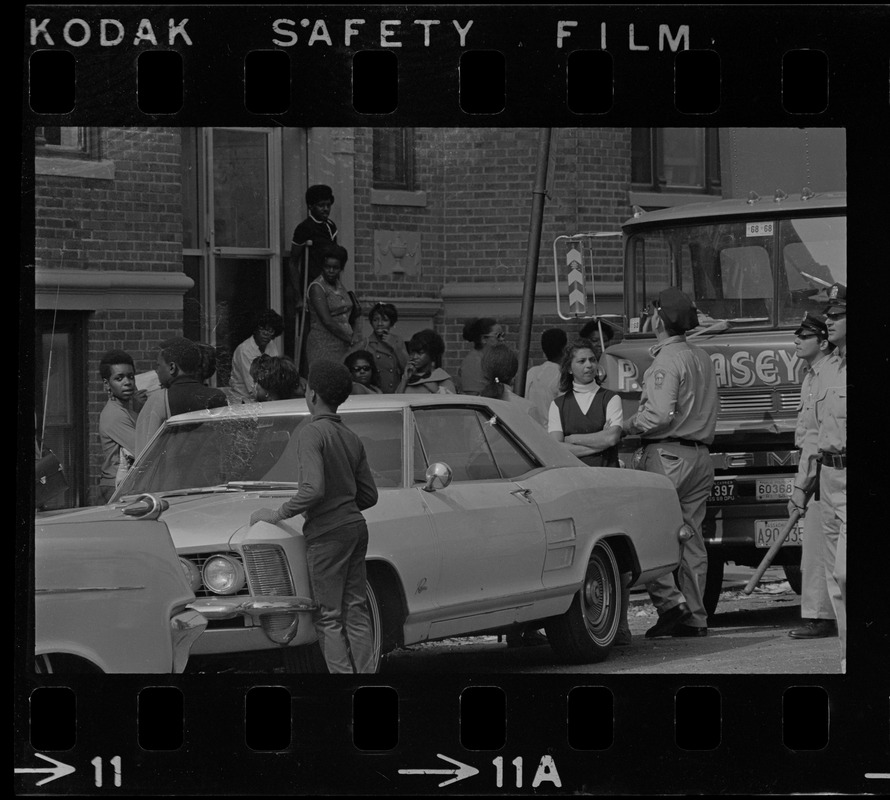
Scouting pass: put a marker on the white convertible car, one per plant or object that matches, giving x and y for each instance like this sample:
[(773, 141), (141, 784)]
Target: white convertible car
[(484, 524)]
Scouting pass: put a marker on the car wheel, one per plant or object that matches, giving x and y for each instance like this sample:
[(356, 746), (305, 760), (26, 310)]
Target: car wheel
[(64, 664), (713, 583), (585, 633), (308, 657), (793, 574)]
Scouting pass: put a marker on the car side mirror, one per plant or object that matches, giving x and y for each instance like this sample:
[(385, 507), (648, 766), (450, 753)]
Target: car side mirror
[(146, 506), (438, 476)]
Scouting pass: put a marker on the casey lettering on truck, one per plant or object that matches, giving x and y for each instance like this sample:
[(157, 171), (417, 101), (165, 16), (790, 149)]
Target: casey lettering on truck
[(753, 266)]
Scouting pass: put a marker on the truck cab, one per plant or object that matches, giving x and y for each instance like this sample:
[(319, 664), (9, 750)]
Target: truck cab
[(753, 267)]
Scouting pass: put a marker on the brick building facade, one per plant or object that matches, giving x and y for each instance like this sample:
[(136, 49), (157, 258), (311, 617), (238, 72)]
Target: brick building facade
[(125, 233)]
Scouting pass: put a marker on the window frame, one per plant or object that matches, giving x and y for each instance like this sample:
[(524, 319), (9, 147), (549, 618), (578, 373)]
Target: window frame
[(405, 181), (87, 146), (656, 182)]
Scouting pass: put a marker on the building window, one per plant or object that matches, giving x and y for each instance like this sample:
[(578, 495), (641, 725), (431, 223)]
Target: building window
[(676, 160), (67, 142), (394, 158)]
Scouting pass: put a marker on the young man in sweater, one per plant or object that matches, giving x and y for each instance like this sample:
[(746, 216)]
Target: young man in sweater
[(336, 485)]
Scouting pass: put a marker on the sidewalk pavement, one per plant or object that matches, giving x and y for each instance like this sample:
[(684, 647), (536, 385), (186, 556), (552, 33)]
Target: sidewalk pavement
[(734, 579)]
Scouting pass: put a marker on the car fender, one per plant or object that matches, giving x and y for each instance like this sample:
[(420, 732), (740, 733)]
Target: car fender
[(106, 590), (65, 647)]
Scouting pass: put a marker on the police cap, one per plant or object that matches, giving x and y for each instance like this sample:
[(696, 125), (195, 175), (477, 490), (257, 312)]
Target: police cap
[(837, 299), (677, 310), (812, 324)]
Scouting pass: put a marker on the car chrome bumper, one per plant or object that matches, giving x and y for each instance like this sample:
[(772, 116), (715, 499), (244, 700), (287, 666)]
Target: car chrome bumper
[(279, 616), (257, 607), (185, 628)]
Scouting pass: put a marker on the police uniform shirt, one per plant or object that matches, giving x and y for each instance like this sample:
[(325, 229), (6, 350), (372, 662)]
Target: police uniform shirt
[(806, 433), (831, 408), (679, 398)]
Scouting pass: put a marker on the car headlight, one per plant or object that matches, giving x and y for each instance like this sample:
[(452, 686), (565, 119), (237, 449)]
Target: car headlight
[(192, 575), (223, 575), (685, 533)]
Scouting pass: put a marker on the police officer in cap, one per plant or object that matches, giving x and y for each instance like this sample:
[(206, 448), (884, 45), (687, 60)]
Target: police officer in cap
[(812, 347), (831, 417), (676, 420)]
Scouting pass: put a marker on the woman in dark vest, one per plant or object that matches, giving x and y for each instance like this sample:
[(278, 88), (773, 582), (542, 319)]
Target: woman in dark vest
[(586, 417)]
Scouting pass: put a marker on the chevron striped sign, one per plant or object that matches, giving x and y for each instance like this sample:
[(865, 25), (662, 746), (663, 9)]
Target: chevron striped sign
[(577, 297)]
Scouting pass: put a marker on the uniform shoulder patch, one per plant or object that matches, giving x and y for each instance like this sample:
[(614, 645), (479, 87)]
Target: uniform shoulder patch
[(659, 378)]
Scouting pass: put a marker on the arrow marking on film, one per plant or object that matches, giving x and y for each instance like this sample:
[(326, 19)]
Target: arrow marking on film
[(57, 770), (462, 771)]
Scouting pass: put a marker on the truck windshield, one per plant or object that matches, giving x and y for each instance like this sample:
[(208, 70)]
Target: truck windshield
[(751, 273)]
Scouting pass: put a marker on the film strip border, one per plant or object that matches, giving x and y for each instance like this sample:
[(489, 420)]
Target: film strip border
[(309, 737), (482, 64), (570, 735)]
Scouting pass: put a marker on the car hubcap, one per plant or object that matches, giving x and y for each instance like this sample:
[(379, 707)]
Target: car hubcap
[(599, 598), (376, 631)]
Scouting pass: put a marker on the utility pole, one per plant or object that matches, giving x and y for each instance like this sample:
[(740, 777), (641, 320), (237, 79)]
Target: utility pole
[(536, 223)]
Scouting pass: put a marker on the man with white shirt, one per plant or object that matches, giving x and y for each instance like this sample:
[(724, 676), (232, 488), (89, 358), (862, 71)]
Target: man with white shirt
[(269, 326)]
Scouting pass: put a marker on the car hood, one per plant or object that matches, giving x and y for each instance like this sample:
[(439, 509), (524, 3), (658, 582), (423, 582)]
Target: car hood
[(195, 522)]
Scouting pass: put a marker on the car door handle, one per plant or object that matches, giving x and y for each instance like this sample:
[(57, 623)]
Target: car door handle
[(525, 494)]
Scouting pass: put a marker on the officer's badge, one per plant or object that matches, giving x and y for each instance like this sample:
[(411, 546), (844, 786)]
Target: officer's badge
[(659, 378)]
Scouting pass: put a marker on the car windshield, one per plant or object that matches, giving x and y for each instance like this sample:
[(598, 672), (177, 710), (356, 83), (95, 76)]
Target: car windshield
[(763, 273), (243, 450)]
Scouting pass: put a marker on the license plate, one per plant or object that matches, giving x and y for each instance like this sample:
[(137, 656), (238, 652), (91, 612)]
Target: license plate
[(766, 532), (774, 490), (722, 492)]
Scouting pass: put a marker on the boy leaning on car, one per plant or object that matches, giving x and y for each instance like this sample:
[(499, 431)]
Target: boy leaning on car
[(336, 485)]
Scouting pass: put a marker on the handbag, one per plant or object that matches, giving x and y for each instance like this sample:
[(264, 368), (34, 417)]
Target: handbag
[(50, 480)]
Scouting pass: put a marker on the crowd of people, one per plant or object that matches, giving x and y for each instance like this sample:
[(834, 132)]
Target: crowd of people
[(675, 422)]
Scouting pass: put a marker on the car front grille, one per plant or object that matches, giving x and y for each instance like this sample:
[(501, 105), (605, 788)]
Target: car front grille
[(267, 570), (269, 574)]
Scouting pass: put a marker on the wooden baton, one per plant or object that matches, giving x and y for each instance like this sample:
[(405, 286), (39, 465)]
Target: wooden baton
[(771, 553)]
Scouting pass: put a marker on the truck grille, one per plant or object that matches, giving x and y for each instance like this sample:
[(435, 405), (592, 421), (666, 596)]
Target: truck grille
[(267, 570), (759, 402), (789, 399), (746, 403)]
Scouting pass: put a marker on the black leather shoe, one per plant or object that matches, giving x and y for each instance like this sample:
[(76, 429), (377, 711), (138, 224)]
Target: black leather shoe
[(815, 629), (669, 620), (687, 630)]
